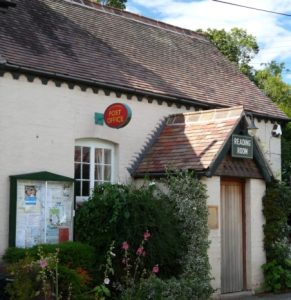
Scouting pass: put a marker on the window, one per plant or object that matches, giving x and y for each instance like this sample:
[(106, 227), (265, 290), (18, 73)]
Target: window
[(93, 165)]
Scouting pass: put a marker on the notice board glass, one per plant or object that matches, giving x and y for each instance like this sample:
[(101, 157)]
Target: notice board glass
[(41, 209)]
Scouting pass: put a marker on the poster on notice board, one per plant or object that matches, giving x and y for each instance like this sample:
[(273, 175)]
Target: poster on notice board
[(44, 212)]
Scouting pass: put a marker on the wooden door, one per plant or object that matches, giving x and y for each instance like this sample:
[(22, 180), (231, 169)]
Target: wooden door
[(232, 236)]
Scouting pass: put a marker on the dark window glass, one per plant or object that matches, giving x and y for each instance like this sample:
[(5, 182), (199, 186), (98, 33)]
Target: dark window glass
[(85, 188), (77, 171), (86, 154), (78, 188), (78, 153), (86, 171)]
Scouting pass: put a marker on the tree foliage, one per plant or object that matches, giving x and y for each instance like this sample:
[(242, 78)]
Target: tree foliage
[(114, 3), (269, 79), (237, 45)]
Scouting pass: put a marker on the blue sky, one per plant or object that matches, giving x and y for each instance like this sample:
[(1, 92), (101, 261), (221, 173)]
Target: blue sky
[(272, 31)]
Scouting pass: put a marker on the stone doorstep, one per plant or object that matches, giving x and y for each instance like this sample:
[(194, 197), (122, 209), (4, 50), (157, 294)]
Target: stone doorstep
[(238, 296)]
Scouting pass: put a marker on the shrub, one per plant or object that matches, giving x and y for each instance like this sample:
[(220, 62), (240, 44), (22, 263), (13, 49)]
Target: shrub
[(188, 194), (122, 213), (277, 212), (72, 254), (69, 264), (154, 288)]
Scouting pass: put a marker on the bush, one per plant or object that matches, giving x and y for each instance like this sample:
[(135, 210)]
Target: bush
[(277, 212), (154, 288), (69, 264), (123, 213), (188, 195), (72, 254), (277, 278)]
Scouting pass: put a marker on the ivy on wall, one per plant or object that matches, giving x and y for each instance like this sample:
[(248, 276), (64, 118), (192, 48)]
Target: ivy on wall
[(277, 230)]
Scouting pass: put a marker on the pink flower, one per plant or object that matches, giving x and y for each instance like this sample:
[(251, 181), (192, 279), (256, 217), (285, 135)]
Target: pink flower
[(156, 269), (125, 246), (42, 263), (140, 251), (146, 235)]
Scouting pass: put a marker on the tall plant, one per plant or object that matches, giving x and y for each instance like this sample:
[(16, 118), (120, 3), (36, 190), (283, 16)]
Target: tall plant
[(277, 212), (189, 196)]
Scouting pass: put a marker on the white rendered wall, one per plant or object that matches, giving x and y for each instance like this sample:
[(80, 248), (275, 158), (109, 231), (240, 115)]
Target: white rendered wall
[(214, 251), (255, 254), (270, 146), (40, 123)]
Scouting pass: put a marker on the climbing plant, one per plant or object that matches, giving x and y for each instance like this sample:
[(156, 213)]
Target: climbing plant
[(277, 212)]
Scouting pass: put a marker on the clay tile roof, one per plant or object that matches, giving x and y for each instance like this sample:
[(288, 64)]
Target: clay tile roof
[(109, 46), (190, 141)]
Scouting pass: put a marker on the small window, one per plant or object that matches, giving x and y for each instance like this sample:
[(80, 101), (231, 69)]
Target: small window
[(93, 165)]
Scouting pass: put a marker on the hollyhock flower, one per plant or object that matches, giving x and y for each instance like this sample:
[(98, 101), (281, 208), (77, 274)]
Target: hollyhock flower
[(146, 235), (140, 251), (125, 246), (156, 269), (42, 263)]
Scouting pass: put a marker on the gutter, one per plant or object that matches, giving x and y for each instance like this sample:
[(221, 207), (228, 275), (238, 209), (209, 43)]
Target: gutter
[(121, 89)]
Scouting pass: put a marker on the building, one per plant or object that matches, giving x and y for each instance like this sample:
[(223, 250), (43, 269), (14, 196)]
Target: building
[(68, 67)]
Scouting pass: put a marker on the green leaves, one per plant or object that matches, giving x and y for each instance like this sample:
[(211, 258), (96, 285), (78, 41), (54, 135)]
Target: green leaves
[(114, 3), (237, 45), (277, 210)]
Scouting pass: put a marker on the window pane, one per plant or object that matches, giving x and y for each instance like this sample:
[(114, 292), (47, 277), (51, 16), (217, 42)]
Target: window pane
[(98, 172), (107, 156), (86, 154), (78, 153), (98, 156), (86, 171), (77, 171), (107, 173), (78, 188), (85, 188)]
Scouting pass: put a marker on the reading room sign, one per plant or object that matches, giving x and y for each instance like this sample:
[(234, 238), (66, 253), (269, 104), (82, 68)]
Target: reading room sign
[(117, 115), (242, 146)]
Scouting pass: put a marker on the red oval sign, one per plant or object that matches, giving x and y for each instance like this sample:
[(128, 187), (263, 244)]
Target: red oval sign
[(117, 115)]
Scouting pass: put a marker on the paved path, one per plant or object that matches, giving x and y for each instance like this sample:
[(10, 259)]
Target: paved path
[(249, 296)]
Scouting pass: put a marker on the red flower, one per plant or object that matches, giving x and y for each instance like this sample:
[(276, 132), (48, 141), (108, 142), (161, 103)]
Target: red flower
[(156, 269), (140, 251), (146, 235), (125, 246)]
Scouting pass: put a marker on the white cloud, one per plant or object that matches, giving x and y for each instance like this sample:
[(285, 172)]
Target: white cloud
[(272, 31)]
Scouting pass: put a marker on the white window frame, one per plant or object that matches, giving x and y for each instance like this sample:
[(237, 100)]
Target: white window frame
[(93, 144)]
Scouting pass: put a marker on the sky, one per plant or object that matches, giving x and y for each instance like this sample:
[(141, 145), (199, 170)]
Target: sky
[(272, 31)]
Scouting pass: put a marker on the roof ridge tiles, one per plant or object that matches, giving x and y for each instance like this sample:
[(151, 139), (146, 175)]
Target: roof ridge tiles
[(205, 116), (139, 18)]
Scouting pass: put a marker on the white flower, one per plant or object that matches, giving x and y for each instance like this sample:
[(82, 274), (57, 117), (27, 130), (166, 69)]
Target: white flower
[(152, 183), (106, 280), (112, 254)]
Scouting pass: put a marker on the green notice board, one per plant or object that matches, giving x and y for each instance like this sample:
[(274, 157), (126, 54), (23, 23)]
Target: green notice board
[(41, 209), (242, 146)]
